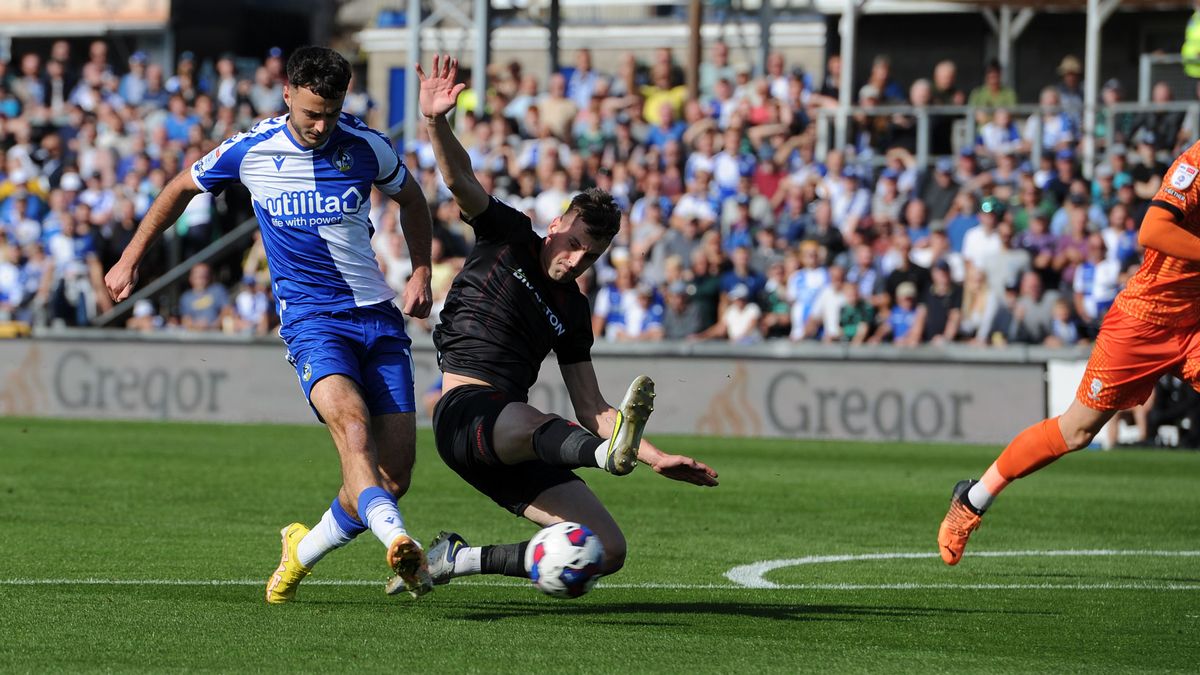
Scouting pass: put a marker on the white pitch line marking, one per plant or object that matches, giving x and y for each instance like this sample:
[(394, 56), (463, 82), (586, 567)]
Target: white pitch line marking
[(751, 576)]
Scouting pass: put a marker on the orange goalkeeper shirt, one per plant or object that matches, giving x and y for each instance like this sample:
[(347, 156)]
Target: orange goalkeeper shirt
[(1166, 290)]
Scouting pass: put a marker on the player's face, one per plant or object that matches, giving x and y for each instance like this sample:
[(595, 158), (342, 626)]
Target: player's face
[(569, 250), (312, 118)]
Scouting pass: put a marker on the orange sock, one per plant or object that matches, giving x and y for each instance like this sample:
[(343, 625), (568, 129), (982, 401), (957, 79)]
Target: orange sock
[(1032, 449)]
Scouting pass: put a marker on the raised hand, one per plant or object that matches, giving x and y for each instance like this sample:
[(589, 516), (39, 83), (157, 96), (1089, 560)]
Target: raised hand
[(439, 91)]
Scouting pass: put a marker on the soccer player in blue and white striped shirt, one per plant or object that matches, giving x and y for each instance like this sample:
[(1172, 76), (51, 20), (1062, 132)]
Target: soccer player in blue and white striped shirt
[(310, 173)]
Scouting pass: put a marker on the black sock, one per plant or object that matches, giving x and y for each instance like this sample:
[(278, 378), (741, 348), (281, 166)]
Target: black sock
[(562, 443), (506, 559)]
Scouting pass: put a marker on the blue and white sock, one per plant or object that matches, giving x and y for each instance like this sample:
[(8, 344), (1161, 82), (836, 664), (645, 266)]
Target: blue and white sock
[(377, 508), (336, 529)]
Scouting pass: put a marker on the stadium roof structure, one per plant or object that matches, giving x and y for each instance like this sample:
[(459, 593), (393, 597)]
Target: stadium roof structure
[(1008, 18)]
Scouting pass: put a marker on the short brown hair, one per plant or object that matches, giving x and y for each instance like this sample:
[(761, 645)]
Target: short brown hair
[(599, 212)]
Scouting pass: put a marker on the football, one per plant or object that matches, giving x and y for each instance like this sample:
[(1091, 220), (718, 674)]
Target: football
[(564, 560)]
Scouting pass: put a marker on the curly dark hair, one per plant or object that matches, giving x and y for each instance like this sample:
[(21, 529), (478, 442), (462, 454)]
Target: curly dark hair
[(599, 212), (320, 69)]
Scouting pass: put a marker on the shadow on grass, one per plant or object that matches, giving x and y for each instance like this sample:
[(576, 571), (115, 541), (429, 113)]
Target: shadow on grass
[(678, 613)]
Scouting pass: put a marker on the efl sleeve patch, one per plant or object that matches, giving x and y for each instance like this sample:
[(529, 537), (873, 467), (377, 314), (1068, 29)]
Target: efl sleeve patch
[(1183, 176)]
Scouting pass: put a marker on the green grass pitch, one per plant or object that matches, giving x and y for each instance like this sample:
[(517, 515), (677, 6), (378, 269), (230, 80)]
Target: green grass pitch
[(145, 547)]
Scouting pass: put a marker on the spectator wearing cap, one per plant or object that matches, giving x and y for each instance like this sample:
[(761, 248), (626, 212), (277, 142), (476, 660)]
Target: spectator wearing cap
[(992, 93), (982, 241), (275, 66), (739, 322), (681, 317), (1076, 200), (939, 310), (1120, 124), (1103, 192), (1065, 172), (132, 87), (940, 189), (1147, 171), (1070, 91), (1058, 129)]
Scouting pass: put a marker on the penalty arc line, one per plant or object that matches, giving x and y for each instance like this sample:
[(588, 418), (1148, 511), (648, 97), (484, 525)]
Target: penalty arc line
[(751, 576)]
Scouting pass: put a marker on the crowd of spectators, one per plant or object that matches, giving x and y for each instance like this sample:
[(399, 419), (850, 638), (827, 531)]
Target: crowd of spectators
[(734, 228)]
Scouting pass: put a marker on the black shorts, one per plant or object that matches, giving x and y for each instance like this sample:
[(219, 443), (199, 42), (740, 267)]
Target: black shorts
[(462, 425)]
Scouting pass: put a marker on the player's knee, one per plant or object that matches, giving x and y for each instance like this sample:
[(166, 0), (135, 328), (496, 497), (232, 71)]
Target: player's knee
[(352, 431), (614, 552)]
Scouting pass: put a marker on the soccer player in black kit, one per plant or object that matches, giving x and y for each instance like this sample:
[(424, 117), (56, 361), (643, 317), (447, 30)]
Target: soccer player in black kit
[(515, 300)]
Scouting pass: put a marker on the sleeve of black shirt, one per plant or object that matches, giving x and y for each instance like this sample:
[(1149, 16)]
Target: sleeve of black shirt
[(576, 345), (500, 223)]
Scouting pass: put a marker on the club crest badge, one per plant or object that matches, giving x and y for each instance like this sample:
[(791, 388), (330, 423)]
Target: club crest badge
[(1183, 176), (342, 159)]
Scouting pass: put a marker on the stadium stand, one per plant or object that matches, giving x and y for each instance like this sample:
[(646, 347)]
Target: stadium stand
[(976, 224)]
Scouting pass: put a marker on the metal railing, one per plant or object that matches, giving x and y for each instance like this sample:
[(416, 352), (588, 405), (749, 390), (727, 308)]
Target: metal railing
[(965, 122)]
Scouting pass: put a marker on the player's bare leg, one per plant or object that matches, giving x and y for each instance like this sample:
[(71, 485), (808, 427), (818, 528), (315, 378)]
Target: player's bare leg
[(369, 494), (1031, 450), (523, 433)]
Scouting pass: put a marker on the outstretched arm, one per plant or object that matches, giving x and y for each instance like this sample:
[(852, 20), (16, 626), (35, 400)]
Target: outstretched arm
[(597, 416), (166, 209), (1162, 230), (439, 92)]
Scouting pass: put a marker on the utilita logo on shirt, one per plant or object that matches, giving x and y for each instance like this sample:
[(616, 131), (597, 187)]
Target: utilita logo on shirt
[(310, 208), (554, 322)]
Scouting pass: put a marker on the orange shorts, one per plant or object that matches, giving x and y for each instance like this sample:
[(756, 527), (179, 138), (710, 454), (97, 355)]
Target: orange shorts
[(1129, 357)]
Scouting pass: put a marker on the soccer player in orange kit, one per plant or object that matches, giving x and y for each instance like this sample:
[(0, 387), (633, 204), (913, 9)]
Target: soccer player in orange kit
[(1153, 328)]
